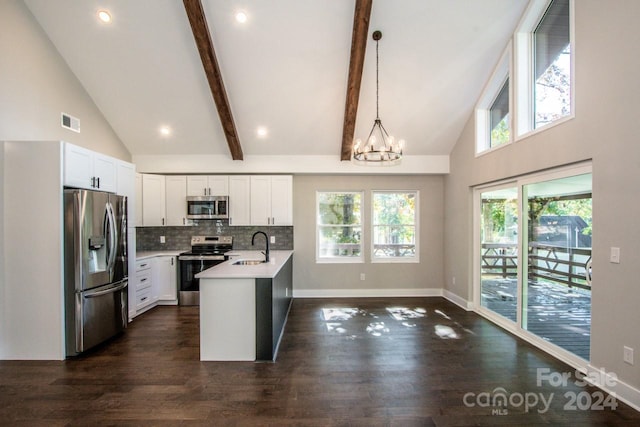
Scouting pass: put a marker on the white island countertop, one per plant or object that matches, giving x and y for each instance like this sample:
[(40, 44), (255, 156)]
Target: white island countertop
[(227, 270)]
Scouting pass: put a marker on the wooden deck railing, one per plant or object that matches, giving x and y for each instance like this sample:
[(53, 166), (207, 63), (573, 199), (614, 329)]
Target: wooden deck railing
[(554, 263)]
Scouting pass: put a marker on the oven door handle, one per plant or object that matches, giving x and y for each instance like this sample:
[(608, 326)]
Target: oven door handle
[(200, 258)]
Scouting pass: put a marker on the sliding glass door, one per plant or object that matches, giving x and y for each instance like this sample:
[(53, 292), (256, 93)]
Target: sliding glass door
[(499, 251), (556, 285), (533, 254)]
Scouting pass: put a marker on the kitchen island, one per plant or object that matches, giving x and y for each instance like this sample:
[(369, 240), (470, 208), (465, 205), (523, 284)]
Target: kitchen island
[(244, 307)]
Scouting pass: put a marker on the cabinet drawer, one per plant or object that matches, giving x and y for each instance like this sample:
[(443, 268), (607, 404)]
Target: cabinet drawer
[(143, 280), (143, 298), (143, 264)]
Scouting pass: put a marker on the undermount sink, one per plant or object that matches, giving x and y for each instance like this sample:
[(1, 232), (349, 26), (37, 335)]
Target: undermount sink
[(248, 262)]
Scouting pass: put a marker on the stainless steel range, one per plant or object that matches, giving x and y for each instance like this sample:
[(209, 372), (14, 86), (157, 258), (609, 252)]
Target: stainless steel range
[(206, 251)]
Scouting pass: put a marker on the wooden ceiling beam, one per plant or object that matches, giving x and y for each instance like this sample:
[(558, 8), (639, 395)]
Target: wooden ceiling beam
[(201, 34), (359, 38)]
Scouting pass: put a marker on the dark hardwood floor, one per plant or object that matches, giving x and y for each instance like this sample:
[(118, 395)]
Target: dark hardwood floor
[(343, 362)]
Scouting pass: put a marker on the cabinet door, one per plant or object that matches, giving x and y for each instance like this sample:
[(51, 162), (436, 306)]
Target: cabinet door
[(104, 170), (153, 200), (260, 200), (138, 207), (126, 186), (176, 200), (165, 278), (282, 200), (78, 167), (197, 185), (219, 185), (239, 200)]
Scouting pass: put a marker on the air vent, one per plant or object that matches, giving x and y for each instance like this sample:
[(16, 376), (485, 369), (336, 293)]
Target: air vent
[(70, 122)]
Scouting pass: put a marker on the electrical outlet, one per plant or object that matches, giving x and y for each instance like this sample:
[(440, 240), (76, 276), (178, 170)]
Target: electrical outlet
[(453, 280), (362, 277), (628, 355), (273, 239), (162, 239), (286, 292)]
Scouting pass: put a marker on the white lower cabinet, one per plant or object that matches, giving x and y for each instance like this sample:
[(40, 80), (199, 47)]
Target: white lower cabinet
[(165, 279), (155, 282), (142, 284)]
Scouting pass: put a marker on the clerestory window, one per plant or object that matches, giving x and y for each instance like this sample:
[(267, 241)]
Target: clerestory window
[(544, 66)]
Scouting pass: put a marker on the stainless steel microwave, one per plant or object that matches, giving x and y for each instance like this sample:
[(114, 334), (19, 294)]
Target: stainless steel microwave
[(208, 207)]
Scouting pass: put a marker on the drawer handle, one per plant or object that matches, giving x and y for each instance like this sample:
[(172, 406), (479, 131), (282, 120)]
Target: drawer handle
[(143, 265), (142, 299), (143, 280)]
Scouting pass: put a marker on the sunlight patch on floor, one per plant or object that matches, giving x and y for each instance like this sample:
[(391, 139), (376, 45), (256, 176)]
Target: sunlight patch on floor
[(446, 332)]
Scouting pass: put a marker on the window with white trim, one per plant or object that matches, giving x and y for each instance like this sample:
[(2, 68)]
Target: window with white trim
[(339, 227), (493, 121), (394, 226), (544, 65)]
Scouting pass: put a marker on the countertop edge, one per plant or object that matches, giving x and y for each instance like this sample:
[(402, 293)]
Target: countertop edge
[(227, 270)]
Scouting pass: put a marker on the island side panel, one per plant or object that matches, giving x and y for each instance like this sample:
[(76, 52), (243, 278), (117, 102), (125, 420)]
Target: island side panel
[(227, 320), (282, 297), (273, 299), (264, 319)]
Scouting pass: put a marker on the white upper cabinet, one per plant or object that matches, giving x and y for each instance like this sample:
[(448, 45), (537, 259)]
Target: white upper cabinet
[(260, 200), (176, 200), (84, 168), (207, 185), (240, 200), (153, 200), (282, 200), (126, 186), (271, 200), (138, 210)]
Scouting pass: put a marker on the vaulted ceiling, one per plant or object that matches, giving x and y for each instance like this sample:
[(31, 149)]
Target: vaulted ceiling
[(285, 69)]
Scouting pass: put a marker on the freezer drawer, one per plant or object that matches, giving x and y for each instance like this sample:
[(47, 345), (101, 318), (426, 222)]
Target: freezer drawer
[(98, 314)]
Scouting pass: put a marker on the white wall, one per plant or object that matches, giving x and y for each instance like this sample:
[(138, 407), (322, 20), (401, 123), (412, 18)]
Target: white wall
[(424, 278), (37, 86), (605, 129)]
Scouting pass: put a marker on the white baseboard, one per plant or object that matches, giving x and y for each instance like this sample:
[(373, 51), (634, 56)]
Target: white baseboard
[(457, 300), (612, 385), (365, 293)]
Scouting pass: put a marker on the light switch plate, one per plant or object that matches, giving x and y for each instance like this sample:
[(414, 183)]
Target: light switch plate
[(628, 355), (615, 255)]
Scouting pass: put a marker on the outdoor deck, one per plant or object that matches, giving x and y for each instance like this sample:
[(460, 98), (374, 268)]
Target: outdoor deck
[(557, 313)]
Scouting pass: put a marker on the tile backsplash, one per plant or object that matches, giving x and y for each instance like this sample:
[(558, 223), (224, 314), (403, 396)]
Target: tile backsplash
[(179, 238)]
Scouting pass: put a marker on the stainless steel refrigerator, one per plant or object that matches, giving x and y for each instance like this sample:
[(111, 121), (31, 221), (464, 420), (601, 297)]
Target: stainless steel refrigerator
[(95, 268)]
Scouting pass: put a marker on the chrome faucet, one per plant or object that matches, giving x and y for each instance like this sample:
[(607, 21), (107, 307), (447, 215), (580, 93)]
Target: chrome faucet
[(266, 238)]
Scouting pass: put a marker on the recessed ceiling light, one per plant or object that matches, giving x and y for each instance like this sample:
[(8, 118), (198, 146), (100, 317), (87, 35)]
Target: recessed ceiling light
[(262, 132), (165, 131), (104, 16), (241, 16)]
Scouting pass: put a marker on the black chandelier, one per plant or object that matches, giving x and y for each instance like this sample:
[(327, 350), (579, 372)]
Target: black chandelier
[(379, 149)]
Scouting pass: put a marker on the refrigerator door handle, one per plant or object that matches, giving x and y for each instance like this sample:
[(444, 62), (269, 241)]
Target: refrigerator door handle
[(113, 290), (113, 239)]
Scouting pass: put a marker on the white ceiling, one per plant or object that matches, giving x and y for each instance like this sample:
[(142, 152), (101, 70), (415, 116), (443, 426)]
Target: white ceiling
[(285, 69)]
